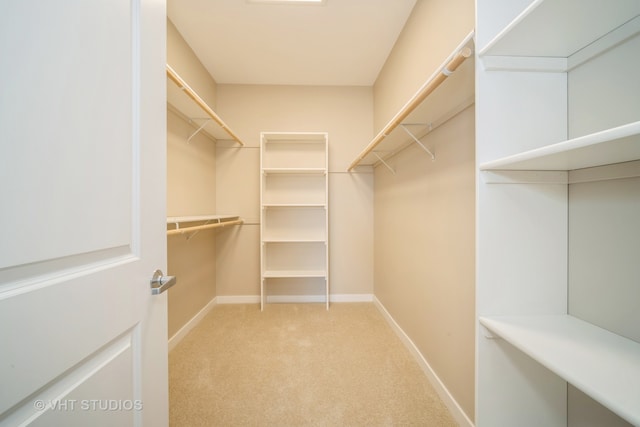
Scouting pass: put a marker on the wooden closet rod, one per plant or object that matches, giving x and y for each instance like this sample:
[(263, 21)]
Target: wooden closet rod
[(425, 91), (203, 227), (196, 98)]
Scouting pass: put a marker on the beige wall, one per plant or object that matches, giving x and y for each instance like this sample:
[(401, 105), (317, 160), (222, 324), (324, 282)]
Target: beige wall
[(191, 183), (343, 112), (425, 213)]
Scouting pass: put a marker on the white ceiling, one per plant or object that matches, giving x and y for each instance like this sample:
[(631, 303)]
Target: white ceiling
[(342, 42)]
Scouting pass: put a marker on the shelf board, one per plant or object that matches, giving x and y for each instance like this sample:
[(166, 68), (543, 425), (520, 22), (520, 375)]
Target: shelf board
[(299, 171), (559, 28), (294, 240), (603, 365), (182, 98), (294, 205), (616, 145), (198, 218), (289, 137), (273, 274)]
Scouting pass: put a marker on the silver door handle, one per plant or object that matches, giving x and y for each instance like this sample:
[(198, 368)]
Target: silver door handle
[(160, 282)]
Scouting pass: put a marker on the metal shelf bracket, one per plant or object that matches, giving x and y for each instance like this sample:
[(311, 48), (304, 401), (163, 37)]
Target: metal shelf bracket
[(206, 121), (383, 162), (418, 141)]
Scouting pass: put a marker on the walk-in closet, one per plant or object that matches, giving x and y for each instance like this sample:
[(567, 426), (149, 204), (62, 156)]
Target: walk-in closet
[(480, 192)]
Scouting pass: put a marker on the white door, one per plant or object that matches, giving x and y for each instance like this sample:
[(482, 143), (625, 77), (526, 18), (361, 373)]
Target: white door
[(82, 213)]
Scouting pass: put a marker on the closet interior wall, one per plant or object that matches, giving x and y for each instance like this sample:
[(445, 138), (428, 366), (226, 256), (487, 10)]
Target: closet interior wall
[(344, 112), (425, 211), (191, 183)]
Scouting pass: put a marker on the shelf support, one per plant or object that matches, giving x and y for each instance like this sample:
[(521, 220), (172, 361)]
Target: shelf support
[(426, 90), (417, 141), (206, 121), (383, 162)]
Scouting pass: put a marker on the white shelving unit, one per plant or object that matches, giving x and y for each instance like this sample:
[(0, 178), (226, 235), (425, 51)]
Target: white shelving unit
[(446, 93), (294, 212), (557, 107)]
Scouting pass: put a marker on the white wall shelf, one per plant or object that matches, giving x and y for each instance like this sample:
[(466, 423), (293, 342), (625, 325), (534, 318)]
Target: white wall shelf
[(446, 93), (200, 222), (192, 107), (294, 211), (616, 145), (603, 365), (541, 29)]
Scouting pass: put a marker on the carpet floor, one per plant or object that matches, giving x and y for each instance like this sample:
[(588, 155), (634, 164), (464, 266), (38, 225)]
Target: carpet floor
[(298, 365)]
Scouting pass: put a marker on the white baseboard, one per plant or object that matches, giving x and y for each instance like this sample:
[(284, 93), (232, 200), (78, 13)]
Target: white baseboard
[(255, 299), (458, 414), (238, 299), (178, 336)]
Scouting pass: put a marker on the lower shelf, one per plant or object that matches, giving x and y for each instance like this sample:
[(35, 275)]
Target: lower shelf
[(603, 365), (293, 273)]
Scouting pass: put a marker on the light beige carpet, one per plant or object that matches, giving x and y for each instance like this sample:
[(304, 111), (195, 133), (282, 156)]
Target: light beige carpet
[(298, 365)]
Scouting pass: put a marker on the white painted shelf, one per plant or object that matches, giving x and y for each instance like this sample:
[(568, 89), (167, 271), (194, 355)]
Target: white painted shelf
[(541, 29), (603, 365), (294, 205), (200, 222), (616, 145), (274, 274), (293, 240), (196, 218), (301, 171)]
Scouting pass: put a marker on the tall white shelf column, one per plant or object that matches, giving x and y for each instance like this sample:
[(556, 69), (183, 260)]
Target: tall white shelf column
[(294, 216), (558, 150)]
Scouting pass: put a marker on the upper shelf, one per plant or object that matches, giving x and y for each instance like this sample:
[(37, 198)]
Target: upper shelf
[(448, 91), (615, 145), (559, 28), (184, 99), (603, 365)]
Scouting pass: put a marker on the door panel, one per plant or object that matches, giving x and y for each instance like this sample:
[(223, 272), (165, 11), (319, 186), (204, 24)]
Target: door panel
[(82, 184)]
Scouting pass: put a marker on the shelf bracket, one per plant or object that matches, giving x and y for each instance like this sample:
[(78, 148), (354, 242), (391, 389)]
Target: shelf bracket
[(383, 162), (418, 141), (190, 236), (206, 121)]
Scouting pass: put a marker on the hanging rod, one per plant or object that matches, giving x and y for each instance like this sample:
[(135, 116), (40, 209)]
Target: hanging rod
[(203, 227), (425, 91), (196, 98)]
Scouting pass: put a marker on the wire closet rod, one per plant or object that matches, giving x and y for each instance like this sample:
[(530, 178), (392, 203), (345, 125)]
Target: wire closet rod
[(196, 98), (426, 90)]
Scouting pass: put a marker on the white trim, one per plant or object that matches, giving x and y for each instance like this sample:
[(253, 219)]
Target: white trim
[(449, 401), (178, 336), (238, 299), (255, 299), (351, 298)]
